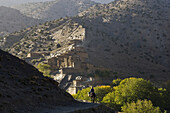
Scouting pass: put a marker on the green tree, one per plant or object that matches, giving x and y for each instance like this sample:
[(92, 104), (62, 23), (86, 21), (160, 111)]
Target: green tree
[(141, 106), (101, 92), (109, 100), (132, 89), (45, 69)]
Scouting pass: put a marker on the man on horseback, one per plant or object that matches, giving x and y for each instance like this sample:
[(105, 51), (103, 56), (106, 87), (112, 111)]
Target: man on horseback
[(92, 94)]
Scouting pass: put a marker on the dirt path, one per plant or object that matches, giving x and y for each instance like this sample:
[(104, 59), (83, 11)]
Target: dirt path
[(67, 109)]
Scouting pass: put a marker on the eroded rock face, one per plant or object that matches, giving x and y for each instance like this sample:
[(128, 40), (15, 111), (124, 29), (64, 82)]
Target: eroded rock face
[(24, 88)]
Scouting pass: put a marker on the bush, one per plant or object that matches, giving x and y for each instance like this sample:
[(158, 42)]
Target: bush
[(45, 69), (141, 106), (58, 45), (116, 82)]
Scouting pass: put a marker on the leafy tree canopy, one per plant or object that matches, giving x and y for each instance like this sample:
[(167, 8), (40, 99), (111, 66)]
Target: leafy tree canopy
[(132, 89), (141, 106)]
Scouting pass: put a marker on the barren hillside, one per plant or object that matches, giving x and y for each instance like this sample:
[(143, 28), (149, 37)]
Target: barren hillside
[(15, 2), (12, 20), (23, 88), (25, 15), (54, 9), (131, 38)]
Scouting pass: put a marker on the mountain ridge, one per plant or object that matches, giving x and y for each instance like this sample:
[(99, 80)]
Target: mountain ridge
[(10, 23), (129, 37), (15, 18), (54, 9)]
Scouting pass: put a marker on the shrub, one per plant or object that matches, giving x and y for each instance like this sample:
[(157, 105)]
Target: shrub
[(141, 106), (116, 82), (58, 45), (45, 69)]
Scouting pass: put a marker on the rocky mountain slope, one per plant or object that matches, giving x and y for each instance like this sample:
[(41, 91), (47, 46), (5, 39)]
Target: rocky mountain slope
[(54, 9), (132, 35), (12, 20), (23, 88), (130, 38), (103, 1), (16, 2), (25, 15)]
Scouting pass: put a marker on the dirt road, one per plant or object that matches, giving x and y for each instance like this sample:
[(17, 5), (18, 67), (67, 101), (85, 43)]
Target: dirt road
[(68, 108)]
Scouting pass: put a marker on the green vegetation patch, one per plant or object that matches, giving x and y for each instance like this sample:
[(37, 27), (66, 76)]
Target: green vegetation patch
[(131, 94), (45, 69), (140, 106), (100, 91)]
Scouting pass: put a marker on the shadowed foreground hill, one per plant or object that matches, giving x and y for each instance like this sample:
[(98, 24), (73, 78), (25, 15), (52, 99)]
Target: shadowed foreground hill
[(23, 87)]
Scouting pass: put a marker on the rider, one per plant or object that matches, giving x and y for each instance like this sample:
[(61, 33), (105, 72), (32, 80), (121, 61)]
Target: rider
[(92, 94), (91, 91)]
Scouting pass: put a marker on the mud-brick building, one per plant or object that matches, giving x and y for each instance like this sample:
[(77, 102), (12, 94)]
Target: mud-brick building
[(79, 84), (74, 61)]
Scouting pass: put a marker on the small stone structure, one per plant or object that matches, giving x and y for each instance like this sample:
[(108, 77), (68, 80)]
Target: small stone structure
[(79, 84), (38, 54)]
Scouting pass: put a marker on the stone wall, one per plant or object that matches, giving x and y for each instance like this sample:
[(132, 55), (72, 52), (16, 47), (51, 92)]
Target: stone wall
[(73, 90)]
